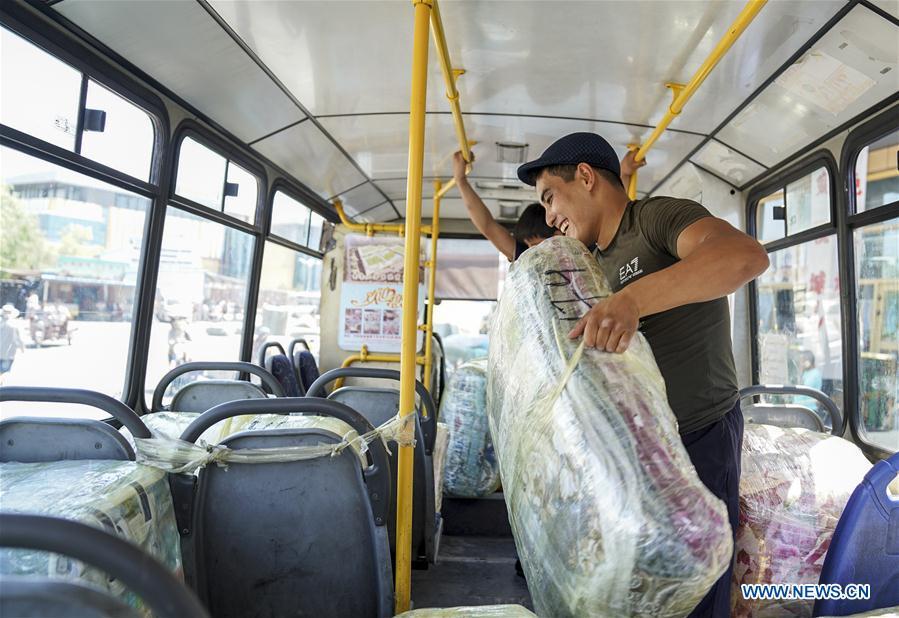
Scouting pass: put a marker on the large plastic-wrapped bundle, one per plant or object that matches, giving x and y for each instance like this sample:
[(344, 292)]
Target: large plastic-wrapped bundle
[(471, 470), (122, 497), (482, 611), (794, 485), (609, 516)]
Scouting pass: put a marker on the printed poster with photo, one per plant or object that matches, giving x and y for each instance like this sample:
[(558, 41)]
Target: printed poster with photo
[(371, 299)]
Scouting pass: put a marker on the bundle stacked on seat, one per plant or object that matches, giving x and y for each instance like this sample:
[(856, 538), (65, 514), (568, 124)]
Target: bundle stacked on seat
[(122, 497), (471, 470), (794, 486), (609, 516)]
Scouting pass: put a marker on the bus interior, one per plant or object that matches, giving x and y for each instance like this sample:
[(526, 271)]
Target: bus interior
[(232, 225)]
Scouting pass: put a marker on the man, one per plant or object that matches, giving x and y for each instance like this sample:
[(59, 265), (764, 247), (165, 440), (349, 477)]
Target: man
[(10, 340), (671, 265), (531, 228)]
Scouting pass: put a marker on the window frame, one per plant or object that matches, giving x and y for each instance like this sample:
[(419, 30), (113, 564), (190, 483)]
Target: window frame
[(848, 221), (230, 152), (308, 200), (779, 181), (93, 67)]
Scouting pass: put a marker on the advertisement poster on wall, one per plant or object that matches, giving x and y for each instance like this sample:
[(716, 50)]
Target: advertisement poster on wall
[(371, 298)]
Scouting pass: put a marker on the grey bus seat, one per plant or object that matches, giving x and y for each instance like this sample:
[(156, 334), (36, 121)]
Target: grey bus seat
[(40, 439), (202, 395), (27, 597), (790, 414), (379, 405), (782, 415), (296, 538)]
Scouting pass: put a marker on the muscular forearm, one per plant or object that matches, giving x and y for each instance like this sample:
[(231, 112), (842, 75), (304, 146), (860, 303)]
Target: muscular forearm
[(477, 210), (716, 268), (484, 221)]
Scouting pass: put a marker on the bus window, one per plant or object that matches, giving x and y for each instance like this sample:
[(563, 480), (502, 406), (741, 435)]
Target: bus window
[(201, 294), (799, 327), (45, 107), (877, 173), (462, 326), (799, 321), (125, 129), (70, 250), (771, 218), (877, 302), (290, 219), (316, 221), (201, 174), (808, 202), (289, 298), (241, 193)]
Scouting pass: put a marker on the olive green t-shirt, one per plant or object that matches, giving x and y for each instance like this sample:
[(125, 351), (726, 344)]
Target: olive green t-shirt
[(691, 343)]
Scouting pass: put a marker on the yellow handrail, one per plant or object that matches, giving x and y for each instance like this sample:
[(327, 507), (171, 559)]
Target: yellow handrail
[(414, 174), (364, 356), (683, 93), (449, 76), (432, 284), (369, 229)]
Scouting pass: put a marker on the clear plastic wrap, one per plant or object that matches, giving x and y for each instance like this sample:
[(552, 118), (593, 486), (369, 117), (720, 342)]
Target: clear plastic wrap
[(179, 456), (609, 516), (439, 457), (122, 497), (471, 470), (794, 486), (483, 611)]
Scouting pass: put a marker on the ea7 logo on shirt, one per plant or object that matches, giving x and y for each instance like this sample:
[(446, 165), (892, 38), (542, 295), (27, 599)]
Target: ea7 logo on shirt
[(629, 271)]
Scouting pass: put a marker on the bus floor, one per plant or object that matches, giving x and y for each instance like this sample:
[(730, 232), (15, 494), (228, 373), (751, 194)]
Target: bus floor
[(471, 570), (476, 561)]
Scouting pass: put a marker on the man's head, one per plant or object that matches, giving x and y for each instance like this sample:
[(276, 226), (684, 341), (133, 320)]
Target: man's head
[(531, 227), (573, 177)]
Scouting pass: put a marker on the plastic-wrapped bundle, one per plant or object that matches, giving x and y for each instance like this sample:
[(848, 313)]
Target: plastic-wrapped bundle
[(483, 611), (471, 470), (124, 498), (794, 486), (172, 424), (609, 516)]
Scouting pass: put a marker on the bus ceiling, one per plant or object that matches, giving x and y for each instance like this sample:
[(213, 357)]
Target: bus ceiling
[(329, 106)]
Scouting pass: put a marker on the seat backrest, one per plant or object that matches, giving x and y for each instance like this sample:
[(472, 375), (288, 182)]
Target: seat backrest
[(297, 538), (44, 597), (282, 368), (293, 538), (379, 405), (165, 596), (29, 439), (200, 396), (865, 545), (307, 370), (203, 396), (791, 414), (782, 416)]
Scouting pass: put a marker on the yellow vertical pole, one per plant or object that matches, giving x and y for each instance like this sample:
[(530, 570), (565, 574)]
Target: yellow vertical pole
[(410, 296), (432, 284)]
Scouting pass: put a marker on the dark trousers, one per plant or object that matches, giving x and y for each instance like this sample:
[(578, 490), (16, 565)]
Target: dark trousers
[(715, 453)]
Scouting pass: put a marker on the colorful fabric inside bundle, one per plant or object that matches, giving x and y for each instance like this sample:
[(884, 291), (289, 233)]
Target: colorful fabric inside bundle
[(794, 486)]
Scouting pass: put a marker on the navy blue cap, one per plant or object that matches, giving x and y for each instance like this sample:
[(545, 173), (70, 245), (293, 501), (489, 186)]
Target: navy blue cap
[(572, 149)]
